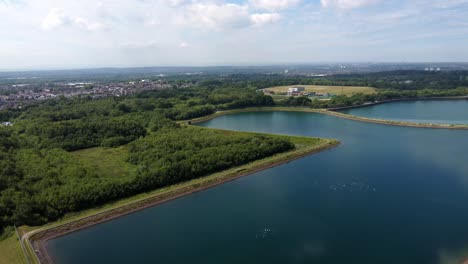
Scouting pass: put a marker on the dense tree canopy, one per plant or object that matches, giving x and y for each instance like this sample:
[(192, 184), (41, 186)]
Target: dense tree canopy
[(41, 178)]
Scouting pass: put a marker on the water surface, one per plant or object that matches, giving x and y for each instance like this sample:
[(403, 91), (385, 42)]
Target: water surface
[(423, 111), (387, 194)]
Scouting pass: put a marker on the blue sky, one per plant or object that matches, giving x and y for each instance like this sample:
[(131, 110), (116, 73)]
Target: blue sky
[(44, 34)]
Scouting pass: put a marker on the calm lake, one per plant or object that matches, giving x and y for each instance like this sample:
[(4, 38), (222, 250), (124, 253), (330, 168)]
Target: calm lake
[(424, 111), (387, 194)]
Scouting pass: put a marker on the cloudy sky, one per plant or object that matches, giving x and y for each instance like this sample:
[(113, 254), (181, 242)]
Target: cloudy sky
[(40, 34)]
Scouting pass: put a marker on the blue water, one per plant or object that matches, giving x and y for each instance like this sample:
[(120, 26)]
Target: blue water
[(425, 111), (387, 194)]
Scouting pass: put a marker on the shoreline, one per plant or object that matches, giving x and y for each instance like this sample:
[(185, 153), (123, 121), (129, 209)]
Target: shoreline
[(394, 123), (336, 114), (36, 240)]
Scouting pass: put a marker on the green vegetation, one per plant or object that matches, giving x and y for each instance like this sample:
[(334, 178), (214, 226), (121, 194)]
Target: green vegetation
[(43, 184), (106, 162), (189, 152), (396, 80), (360, 99), (383, 95), (10, 250), (48, 158)]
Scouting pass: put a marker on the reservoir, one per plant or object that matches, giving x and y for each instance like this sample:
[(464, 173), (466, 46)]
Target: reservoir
[(386, 195), (422, 111)]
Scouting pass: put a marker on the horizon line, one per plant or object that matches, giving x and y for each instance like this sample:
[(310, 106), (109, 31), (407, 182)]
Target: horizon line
[(44, 69)]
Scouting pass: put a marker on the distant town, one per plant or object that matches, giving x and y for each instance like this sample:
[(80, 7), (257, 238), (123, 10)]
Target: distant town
[(27, 93), (25, 87)]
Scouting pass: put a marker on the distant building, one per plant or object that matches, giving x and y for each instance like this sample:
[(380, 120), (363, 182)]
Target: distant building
[(294, 91), (437, 69)]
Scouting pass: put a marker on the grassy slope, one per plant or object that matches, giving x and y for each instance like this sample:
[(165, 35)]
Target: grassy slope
[(110, 162), (107, 162), (338, 90), (10, 251)]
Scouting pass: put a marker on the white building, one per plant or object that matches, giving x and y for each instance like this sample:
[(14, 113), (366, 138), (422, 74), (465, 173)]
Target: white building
[(295, 90)]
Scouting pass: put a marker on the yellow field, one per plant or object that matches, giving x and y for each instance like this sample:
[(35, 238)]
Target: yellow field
[(337, 90)]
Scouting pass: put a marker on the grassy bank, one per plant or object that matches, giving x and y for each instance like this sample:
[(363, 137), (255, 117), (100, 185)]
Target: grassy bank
[(10, 250), (72, 222), (393, 123)]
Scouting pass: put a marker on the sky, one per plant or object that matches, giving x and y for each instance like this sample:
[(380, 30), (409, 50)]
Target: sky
[(55, 34)]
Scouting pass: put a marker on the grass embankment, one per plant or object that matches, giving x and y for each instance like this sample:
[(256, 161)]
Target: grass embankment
[(337, 90), (10, 250), (103, 159), (393, 123)]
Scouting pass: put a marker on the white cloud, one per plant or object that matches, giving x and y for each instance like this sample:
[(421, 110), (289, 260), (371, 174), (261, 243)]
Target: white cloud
[(346, 4), (175, 3), (221, 16), (86, 24), (265, 18), (273, 5), (57, 18), (183, 45), (214, 16)]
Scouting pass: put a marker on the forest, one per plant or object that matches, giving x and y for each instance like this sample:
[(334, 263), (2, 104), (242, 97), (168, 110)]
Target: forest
[(41, 179), (397, 80)]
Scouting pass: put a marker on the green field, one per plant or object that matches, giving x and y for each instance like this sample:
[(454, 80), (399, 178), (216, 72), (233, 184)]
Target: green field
[(106, 162), (337, 90)]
